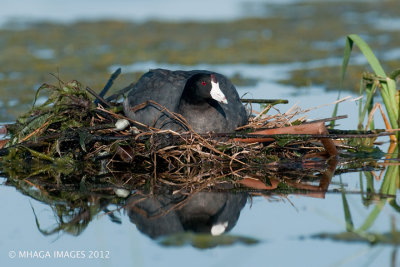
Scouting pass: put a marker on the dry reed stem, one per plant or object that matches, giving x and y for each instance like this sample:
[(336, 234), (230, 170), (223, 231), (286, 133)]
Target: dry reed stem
[(35, 131), (182, 120)]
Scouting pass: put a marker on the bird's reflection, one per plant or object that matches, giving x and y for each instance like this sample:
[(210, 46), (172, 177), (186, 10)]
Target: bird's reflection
[(166, 210), (203, 212)]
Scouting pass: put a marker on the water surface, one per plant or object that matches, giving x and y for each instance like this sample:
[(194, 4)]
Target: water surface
[(292, 53)]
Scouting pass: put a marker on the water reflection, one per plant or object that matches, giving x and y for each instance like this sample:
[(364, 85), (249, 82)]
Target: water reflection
[(159, 208), (203, 212), (168, 215), (369, 197)]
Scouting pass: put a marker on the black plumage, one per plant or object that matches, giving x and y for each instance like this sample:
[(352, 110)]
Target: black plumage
[(182, 92)]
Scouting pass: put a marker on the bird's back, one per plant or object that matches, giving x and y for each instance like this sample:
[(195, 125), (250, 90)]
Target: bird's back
[(166, 87)]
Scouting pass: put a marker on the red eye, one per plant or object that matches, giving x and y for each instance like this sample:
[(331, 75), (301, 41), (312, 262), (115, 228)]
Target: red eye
[(203, 83)]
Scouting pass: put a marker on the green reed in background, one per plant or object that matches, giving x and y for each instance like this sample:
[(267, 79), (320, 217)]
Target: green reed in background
[(371, 82), (369, 85)]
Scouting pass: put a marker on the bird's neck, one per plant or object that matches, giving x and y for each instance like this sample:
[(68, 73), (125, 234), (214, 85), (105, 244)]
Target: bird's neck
[(191, 97)]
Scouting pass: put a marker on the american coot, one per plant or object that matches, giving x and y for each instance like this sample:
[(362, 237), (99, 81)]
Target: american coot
[(207, 100)]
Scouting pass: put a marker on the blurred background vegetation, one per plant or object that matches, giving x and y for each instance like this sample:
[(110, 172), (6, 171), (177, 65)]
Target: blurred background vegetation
[(284, 34)]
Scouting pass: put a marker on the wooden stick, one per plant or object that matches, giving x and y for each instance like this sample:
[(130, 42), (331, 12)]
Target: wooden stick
[(265, 101), (312, 128), (102, 100), (108, 85), (328, 119)]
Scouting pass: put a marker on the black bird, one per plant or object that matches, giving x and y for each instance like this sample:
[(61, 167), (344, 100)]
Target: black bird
[(207, 100)]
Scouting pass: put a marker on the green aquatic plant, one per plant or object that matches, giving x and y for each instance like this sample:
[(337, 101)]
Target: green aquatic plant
[(372, 82), (387, 194), (67, 106), (387, 189)]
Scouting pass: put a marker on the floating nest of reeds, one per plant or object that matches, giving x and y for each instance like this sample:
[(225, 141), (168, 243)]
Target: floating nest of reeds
[(70, 139)]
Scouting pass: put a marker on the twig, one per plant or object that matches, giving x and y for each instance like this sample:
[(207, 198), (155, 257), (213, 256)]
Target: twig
[(121, 92), (341, 134), (93, 93), (264, 101), (108, 85), (182, 120), (328, 119), (35, 131)]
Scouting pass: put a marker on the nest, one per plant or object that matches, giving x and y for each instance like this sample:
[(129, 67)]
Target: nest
[(80, 156), (69, 137)]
